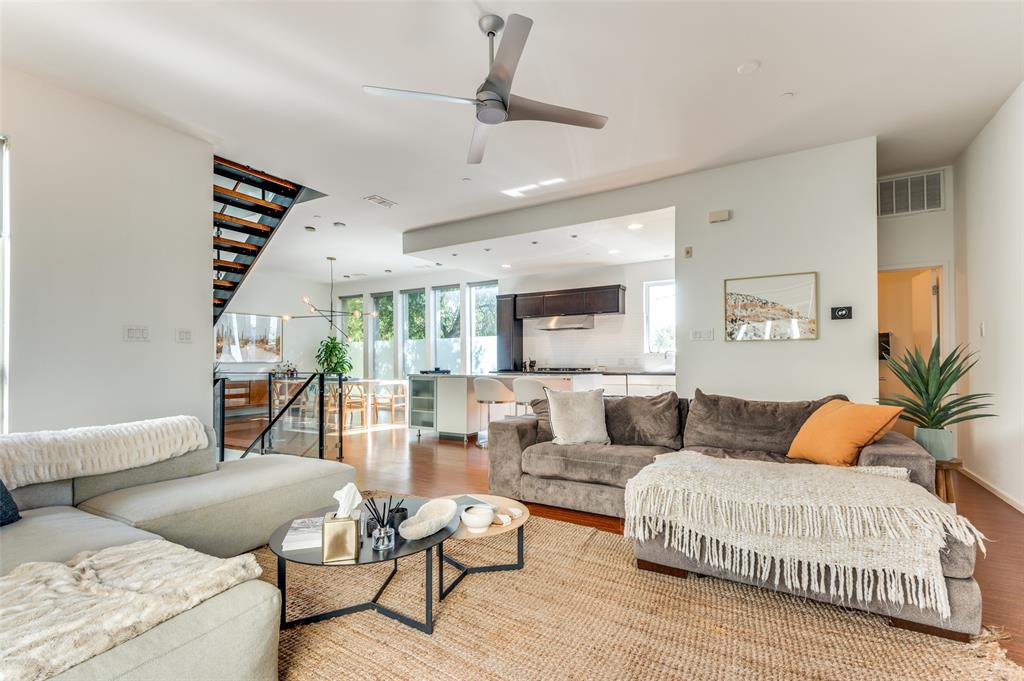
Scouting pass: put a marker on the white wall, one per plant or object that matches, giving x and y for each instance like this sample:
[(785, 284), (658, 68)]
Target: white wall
[(808, 211), (990, 275), (926, 240), (616, 341), (110, 225), (272, 293)]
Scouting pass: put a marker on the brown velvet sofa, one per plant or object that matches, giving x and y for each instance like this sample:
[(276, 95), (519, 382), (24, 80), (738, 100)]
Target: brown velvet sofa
[(526, 465)]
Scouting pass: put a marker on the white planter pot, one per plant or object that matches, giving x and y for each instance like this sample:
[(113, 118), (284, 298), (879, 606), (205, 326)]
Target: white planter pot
[(938, 441)]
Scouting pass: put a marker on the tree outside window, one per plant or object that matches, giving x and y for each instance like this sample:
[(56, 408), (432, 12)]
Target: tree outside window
[(659, 316), (448, 320), (383, 335), (484, 330), (415, 331)]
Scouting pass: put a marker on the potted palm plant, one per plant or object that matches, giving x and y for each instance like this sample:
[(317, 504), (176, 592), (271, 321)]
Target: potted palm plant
[(931, 407), (332, 356)]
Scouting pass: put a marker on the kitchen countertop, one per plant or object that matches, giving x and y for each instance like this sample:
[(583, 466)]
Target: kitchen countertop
[(560, 374)]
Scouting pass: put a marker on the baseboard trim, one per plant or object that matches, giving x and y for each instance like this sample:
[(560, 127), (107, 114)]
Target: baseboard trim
[(930, 630), (994, 489)]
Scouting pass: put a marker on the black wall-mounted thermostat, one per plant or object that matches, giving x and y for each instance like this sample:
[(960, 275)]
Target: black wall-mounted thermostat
[(842, 312)]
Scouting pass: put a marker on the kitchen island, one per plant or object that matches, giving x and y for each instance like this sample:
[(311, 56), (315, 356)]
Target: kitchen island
[(446, 403)]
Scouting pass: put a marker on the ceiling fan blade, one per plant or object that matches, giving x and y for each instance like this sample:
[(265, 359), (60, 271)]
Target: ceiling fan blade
[(415, 94), (503, 70), (523, 109), (477, 144)]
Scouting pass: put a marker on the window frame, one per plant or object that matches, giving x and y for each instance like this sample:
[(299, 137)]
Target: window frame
[(471, 289), (405, 293), (648, 285)]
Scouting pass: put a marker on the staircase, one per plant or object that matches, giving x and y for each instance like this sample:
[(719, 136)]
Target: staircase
[(249, 206)]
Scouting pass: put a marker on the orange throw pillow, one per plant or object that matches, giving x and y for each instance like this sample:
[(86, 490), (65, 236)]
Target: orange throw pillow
[(837, 430)]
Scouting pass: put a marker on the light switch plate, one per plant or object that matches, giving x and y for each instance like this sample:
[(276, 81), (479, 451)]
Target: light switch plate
[(688, 252), (183, 335), (702, 334), (135, 333)]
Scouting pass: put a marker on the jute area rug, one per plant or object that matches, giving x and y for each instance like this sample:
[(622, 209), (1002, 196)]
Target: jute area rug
[(580, 609)]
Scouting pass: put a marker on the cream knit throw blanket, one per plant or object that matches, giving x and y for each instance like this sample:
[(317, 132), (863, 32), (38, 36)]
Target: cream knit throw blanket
[(823, 529), (56, 615), (48, 455)]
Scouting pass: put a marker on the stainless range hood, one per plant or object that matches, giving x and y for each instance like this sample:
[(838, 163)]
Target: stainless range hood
[(566, 322)]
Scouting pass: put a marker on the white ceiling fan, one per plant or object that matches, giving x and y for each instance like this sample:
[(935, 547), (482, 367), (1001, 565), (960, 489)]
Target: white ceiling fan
[(494, 100)]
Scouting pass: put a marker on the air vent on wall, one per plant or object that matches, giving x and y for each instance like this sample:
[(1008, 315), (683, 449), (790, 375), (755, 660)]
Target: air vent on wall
[(910, 194)]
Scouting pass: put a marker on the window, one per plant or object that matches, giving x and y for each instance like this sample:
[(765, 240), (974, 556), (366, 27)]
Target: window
[(354, 329), (383, 334), (414, 331), (483, 332), (448, 328), (4, 269), (659, 316)]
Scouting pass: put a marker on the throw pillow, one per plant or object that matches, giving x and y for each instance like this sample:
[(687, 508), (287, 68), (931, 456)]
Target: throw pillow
[(577, 417), (8, 509), (731, 423), (649, 421), (836, 432)]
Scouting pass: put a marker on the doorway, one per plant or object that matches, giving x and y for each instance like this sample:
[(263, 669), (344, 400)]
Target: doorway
[(908, 318)]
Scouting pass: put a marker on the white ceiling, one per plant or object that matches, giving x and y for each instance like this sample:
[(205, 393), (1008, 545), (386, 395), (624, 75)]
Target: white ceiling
[(277, 85), (583, 246)]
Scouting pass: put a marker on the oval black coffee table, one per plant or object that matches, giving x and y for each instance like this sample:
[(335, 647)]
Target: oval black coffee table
[(367, 556)]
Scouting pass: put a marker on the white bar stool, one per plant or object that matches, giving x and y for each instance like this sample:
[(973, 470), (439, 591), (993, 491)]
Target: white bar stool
[(490, 391), (527, 390)]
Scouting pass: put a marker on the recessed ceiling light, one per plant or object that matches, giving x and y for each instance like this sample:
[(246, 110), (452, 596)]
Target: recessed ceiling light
[(339, 224), (506, 266), (634, 226), (347, 276), (318, 216), (310, 228), (467, 179), (534, 242), (487, 250), (455, 255), (554, 180), (574, 236), (614, 251), (387, 271), (438, 264), (748, 67), (788, 94), (666, 256)]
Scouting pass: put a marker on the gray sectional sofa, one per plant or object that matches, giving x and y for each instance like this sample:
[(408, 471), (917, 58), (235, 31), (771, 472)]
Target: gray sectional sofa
[(221, 509), (526, 465)]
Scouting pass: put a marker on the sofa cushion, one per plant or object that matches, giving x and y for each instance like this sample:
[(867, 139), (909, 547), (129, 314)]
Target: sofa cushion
[(196, 462), (837, 431), (649, 421), (543, 414), (56, 533), (58, 493), (577, 417), (231, 510), (732, 423), (600, 464)]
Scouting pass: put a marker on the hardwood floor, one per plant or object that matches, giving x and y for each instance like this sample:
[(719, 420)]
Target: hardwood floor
[(395, 460)]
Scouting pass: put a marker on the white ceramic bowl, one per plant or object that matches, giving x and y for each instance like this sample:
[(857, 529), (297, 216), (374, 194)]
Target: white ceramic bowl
[(477, 518)]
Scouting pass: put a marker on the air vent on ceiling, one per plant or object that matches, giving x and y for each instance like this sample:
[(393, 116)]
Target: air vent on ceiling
[(910, 194), (380, 200)]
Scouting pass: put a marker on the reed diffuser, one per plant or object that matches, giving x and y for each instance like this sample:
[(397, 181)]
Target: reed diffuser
[(384, 534)]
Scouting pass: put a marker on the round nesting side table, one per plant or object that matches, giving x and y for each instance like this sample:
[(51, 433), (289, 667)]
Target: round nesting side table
[(945, 479)]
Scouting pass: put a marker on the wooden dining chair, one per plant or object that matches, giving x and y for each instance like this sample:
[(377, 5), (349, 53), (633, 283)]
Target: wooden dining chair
[(354, 400), (391, 397)]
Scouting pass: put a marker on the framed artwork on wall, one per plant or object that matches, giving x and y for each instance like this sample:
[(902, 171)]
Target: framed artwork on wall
[(249, 338), (772, 308)]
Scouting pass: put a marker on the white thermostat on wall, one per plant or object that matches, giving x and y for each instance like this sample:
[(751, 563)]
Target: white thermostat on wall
[(719, 216)]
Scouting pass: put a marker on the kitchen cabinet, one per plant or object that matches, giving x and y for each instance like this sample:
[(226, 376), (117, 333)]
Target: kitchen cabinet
[(529, 305), (593, 300), (510, 334), (647, 385), (614, 386)]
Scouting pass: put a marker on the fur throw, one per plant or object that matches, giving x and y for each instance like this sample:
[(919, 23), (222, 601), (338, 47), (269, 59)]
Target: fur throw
[(823, 529), (56, 615), (49, 455)]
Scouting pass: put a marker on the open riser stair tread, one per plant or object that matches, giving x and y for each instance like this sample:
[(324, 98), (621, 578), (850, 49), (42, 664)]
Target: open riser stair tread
[(238, 241)]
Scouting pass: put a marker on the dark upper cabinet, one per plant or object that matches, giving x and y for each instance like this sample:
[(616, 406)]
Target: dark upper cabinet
[(529, 305), (510, 335), (563, 303), (594, 300)]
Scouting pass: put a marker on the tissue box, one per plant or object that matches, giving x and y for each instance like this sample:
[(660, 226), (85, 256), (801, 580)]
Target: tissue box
[(341, 539)]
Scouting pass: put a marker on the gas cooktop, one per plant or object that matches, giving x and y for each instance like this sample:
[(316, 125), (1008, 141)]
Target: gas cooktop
[(563, 370)]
